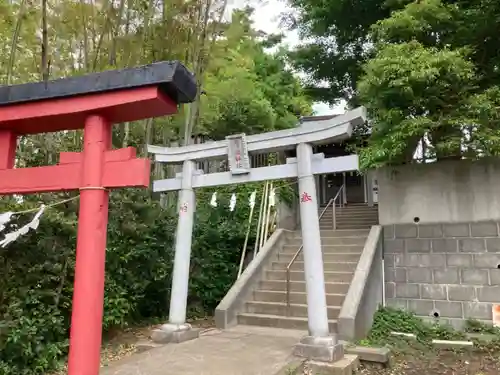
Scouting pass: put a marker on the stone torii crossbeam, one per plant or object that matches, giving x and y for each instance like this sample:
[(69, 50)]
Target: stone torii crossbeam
[(93, 103), (237, 148)]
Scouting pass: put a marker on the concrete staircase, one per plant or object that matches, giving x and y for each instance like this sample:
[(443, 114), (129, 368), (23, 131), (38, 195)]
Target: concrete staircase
[(267, 306), (259, 297), (351, 216)]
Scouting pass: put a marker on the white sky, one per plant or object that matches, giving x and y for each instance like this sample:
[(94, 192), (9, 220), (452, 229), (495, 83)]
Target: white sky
[(266, 18)]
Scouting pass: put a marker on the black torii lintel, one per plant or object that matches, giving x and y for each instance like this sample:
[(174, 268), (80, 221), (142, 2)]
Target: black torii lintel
[(171, 77)]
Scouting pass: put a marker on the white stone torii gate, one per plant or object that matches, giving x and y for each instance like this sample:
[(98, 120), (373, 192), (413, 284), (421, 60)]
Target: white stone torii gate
[(304, 167)]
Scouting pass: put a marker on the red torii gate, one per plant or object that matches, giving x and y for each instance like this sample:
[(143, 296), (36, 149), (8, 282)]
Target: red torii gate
[(93, 102)]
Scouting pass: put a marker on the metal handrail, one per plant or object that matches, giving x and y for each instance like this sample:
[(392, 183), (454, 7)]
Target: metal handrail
[(342, 187), (294, 258)]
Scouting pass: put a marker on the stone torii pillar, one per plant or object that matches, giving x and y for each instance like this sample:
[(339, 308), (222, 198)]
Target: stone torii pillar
[(93, 103), (320, 344)]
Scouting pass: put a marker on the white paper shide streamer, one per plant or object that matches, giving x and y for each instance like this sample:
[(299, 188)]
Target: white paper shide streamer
[(213, 201), (5, 219), (232, 202), (251, 200), (272, 198), (13, 236)]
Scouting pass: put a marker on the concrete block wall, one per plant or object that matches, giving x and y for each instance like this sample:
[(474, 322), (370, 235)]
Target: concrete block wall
[(449, 271)]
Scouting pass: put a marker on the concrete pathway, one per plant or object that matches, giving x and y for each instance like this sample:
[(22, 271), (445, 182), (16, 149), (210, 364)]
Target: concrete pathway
[(242, 350)]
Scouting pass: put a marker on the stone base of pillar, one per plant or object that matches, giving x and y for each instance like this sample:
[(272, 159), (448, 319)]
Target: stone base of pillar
[(346, 366), (174, 333), (323, 349)]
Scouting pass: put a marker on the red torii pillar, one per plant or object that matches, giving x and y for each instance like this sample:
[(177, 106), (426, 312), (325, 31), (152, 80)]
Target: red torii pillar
[(94, 103)]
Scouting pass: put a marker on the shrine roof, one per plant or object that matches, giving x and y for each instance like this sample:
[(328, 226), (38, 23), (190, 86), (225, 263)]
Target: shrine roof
[(317, 118), (172, 78)]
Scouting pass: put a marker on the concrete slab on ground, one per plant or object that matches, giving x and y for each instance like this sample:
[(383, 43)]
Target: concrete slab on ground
[(242, 350)]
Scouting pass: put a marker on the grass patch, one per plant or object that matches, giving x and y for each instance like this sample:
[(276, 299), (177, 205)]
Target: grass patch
[(417, 356), (388, 320), (475, 326)]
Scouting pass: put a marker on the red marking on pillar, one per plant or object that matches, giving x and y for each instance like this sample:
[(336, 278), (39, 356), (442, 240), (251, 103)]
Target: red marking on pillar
[(238, 159), (305, 197)]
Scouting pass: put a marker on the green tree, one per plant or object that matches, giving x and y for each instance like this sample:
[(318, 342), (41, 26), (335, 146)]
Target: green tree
[(427, 70), (427, 85), (337, 41)]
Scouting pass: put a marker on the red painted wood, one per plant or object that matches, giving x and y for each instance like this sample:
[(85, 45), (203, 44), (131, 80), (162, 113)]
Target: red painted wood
[(40, 179), (88, 296), (97, 167), (8, 144), (121, 154), (70, 113), (66, 177), (130, 173)]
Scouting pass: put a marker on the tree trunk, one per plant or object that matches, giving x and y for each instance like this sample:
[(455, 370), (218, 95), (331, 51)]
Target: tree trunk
[(85, 36), (116, 30), (15, 39), (45, 44), (107, 23)]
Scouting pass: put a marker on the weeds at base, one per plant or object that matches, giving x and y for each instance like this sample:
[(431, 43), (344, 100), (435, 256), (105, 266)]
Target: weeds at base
[(417, 356), (388, 320)]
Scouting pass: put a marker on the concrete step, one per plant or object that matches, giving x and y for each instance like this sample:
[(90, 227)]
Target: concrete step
[(357, 220), (336, 257), (327, 266), (348, 225), (328, 224), (353, 214), (357, 212), (277, 308), (356, 204), (357, 226), (300, 286), (277, 321), (327, 249), (353, 240), (359, 205), (354, 218), (326, 218), (343, 215), (295, 297), (352, 205), (347, 209), (327, 233), (330, 276), (356, 208), (360, 224)]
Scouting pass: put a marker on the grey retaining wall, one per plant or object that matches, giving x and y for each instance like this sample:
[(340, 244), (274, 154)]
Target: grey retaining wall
[(446, 270)]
